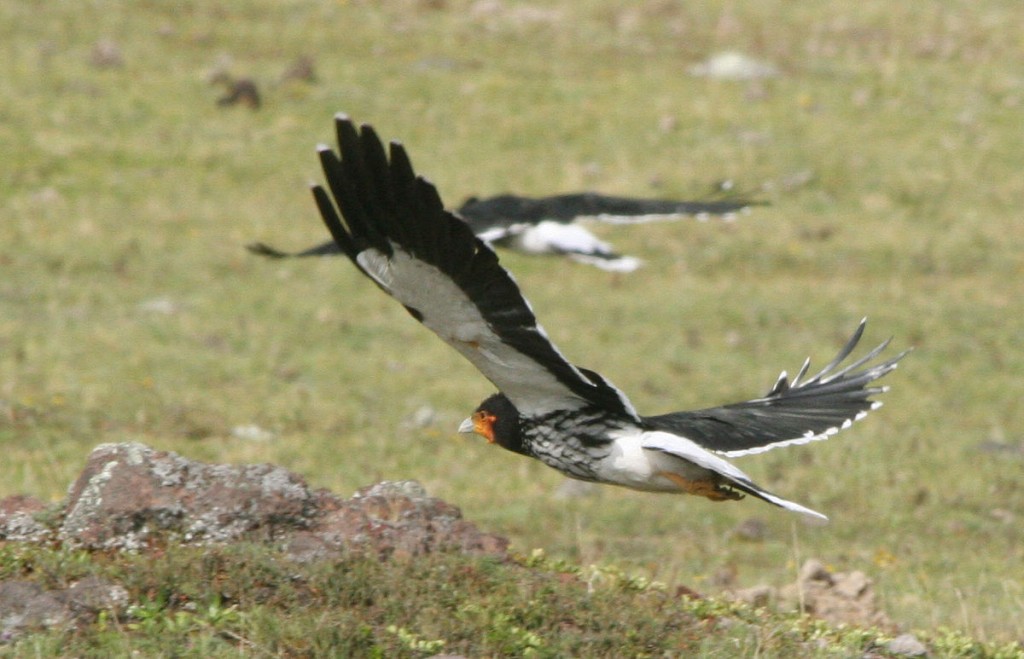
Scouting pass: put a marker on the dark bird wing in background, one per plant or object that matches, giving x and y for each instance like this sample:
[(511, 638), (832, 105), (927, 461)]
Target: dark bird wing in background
[(543, 225), (511, 209), (325, 249)]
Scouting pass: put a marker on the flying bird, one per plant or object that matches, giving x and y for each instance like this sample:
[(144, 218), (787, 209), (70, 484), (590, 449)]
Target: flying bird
[(393, 225), (551, 225)]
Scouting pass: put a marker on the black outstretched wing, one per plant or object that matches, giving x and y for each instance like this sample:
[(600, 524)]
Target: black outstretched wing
[(508, 209), (793, 412), (324, 249), (397, 232)]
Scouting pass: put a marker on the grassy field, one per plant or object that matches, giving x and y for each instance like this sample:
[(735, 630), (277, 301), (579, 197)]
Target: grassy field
[(889, 147)]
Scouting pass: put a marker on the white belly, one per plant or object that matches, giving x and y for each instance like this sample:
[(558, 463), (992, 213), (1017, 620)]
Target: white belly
[(631, 465)]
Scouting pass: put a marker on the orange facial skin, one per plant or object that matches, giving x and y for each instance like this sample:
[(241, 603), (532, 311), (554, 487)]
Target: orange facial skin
[(483, 425)]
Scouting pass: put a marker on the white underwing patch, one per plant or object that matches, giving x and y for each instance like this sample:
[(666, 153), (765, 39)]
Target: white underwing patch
[(450, 313)]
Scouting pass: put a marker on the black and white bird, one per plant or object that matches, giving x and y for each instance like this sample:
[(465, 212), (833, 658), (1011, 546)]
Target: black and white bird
[(393, 226), (551, 225)]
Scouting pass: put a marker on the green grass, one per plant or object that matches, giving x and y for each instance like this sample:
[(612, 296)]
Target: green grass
[(244, 600), (124, 186)]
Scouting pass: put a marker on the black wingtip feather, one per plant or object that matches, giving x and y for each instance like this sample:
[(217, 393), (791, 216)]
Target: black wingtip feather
[(333, 222), (346, 134), (401, 166)]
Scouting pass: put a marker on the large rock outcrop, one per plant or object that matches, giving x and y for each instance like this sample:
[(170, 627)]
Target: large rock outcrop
[(130, 496)]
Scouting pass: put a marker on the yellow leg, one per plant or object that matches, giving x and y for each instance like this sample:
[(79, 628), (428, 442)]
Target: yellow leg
[(705, 488)]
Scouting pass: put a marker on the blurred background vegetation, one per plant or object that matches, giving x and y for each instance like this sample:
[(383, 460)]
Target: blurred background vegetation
[(886, 137)]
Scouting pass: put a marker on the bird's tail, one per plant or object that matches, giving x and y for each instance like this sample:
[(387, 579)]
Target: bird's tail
[(764, 495)]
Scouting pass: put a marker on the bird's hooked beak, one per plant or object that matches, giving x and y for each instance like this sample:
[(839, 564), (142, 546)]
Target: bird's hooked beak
[(481, 423)]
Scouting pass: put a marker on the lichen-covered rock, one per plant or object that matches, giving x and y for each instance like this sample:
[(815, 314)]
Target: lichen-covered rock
[(129, 496), (26, 606), (838, 597), (87, 597), (907, 645), (18, 519), (408, 521), (392, 519), (129, 493)]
